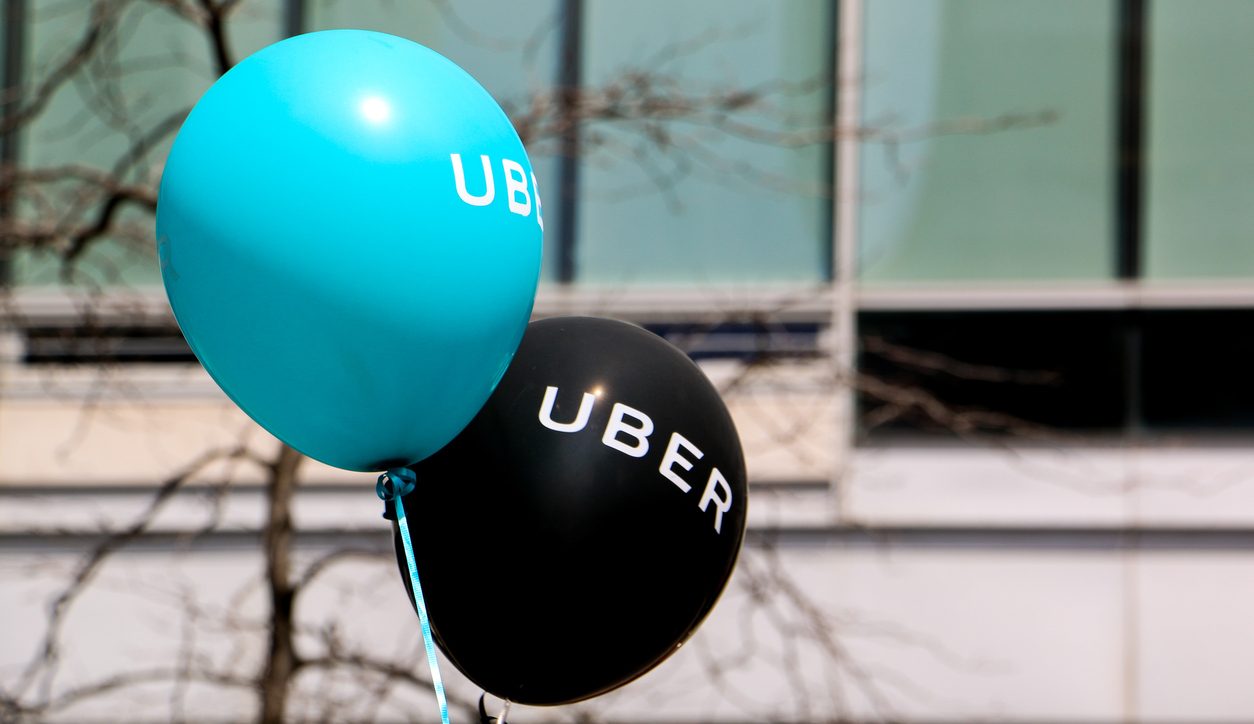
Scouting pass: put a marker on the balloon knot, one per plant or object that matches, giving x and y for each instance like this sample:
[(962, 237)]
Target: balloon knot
[(397, 481)]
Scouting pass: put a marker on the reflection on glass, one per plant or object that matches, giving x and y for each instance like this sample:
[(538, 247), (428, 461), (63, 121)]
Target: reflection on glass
[(989, 154), (149, 71), (710, 197)]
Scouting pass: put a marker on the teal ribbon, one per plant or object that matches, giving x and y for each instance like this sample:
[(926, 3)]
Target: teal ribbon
[(394, 485)]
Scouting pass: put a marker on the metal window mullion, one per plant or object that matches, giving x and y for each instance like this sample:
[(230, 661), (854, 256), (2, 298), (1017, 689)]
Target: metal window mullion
[(1130, 66), (293, 17), (14, 16), (1130, 83), (570, 71)]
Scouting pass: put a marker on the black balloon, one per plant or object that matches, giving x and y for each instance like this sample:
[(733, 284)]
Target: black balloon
[(586, 521)]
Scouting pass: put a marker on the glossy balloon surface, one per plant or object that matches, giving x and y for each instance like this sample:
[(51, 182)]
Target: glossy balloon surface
[(557, 566), (349, 234)]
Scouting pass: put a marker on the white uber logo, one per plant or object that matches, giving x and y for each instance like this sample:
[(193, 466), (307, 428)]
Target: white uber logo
[(628, 431), (517, 193)]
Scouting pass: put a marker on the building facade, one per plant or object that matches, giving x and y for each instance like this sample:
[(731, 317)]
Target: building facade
[(971, 274)]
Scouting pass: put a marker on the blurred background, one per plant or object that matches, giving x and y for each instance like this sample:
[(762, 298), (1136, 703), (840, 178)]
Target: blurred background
[(971, 275)]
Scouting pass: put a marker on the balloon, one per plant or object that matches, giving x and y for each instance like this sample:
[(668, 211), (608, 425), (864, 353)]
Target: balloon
[(586, 521), (349, 234)]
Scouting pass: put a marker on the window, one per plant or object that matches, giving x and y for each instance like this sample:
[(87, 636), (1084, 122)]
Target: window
[(1138, 172), (1195, 370), (1023, 373), (738, 196), (991, 140), (1034, 182), (149, 66), (1200, 150), (710, 198)]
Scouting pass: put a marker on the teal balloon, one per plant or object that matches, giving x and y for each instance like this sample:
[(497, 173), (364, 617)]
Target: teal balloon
[(349, 234)]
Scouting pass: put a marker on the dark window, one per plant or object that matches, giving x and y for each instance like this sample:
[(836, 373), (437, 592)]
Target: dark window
[(991, 372), (1198, 369)]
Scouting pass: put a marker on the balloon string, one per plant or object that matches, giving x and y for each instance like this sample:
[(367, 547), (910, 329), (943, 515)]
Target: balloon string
[(402, 481)]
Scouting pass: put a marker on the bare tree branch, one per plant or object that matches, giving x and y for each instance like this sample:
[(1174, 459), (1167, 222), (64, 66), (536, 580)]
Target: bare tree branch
[(43, 666)]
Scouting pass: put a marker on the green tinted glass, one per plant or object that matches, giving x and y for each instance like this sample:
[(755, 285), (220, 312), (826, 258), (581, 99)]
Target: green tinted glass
[(695, 195), (1200, 141), (990, 154), (147, 67)]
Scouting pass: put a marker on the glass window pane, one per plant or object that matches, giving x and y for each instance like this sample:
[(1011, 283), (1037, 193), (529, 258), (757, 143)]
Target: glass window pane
[(1200, 142), (1195, 370), (4, 92), (1024, 374), (992, 149), (149, 66), (718, 198), (511, 51)]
